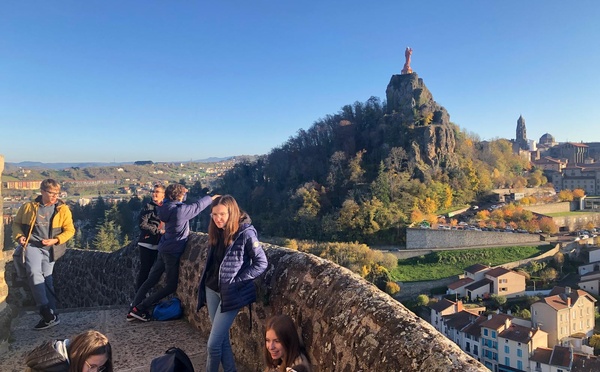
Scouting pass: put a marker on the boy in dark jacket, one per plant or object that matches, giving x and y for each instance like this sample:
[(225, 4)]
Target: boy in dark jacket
[(151, 229)]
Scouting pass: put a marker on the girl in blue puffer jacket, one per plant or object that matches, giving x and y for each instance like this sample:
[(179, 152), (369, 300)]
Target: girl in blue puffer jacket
[(234, 260)]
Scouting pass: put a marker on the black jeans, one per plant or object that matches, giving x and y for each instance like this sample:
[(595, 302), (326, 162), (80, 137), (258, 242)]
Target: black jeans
[(147, 259), (165, 263)]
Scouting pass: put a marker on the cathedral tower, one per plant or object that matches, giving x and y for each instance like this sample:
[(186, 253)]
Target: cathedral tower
[(521, 139)]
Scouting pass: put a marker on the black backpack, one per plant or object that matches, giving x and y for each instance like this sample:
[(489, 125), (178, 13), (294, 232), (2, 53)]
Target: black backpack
[(174, 360)]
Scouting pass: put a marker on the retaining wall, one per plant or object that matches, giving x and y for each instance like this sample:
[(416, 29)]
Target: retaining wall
[(432, 238)]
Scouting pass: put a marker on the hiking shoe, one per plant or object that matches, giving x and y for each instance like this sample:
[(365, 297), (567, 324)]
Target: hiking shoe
[(44, 324), (139, 315)]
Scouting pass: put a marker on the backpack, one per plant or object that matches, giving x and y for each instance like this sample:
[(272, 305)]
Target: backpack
[(168, 310), (174, 360), (19, 262)]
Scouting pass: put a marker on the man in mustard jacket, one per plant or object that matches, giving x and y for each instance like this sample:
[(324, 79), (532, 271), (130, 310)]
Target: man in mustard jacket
[(42, 227)]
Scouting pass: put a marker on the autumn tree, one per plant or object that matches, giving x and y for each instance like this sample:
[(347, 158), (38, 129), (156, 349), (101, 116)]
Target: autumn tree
[(595, 341), (547, 225), (578, 193), (392, 288), (559, 260), (422, 300), (565, 195), (548, 274)]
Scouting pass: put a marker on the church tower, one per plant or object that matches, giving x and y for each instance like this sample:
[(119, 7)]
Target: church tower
[(521, 139)]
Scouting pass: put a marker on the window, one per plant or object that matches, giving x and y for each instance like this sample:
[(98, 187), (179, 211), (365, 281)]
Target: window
[(493, 334), (503, 289), (506, 349), (507, 361), (519, 352), (485, 332), (475, 349), (519, 365), (468, 347)]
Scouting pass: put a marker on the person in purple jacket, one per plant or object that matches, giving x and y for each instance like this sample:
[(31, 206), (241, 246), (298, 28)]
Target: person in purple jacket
[(176, 215), (235, 259)]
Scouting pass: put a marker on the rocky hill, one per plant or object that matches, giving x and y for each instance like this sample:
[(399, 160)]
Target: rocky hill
[(424, 125)]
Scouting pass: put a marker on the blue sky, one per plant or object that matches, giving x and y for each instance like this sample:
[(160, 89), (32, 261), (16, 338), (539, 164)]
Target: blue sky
[(171, 81)]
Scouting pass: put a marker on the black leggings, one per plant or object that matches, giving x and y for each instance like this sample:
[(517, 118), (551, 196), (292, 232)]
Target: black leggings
[(147, 259)]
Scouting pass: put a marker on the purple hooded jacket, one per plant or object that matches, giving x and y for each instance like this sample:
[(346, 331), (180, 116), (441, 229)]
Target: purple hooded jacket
[(176, 216)]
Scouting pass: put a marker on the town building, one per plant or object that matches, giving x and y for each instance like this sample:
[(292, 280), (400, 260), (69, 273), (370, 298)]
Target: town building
[(480, 281), (566, 315), (562, 359)]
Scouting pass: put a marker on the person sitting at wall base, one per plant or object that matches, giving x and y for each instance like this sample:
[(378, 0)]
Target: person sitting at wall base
[(284, 350), (89, 351)]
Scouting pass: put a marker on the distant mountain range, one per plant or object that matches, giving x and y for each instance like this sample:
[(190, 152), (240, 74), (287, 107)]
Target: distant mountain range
[(37, 164)]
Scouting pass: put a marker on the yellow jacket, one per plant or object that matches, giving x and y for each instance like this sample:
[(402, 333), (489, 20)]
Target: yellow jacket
[(62, 227)]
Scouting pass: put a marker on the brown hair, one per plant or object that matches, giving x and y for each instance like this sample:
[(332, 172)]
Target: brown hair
[(49, 184), (285, 329), (175, 191), (87, 344), (159, 186), (232, 225)]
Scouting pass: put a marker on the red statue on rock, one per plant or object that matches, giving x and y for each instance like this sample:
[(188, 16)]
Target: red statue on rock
[(407, 69)]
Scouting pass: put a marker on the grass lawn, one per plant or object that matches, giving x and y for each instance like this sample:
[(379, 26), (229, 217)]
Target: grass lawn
[(442, 264)]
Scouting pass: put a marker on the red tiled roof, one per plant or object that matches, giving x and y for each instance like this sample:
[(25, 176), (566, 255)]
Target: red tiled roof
[(561, 356), (518, 333), (460, 283), (479, 284), (442, 305), (497, 272), (542, 355), (585, 363), (476, 268), (496, 321)]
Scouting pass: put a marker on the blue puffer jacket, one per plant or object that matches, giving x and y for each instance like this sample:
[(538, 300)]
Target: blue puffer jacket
[(244, 261), (176, 216)]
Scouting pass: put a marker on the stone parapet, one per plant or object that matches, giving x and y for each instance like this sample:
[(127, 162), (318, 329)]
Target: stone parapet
[(346, 322)]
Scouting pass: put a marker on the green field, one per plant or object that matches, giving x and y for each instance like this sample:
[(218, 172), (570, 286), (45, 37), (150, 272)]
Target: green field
[(442, 264)]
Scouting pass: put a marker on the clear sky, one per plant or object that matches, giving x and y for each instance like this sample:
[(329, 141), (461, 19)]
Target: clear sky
[(108, 80)]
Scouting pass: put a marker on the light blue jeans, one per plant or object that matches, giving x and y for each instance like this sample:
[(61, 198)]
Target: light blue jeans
[(218, 345), (39, 276)]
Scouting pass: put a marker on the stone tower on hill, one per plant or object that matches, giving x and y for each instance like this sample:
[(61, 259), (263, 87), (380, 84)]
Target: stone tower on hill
[(521, 138), (423, 127)]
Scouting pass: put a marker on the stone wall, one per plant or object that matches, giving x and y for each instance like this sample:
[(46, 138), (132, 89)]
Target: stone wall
[(347, 323), (431, 238), (577, 221), (6, 312)]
